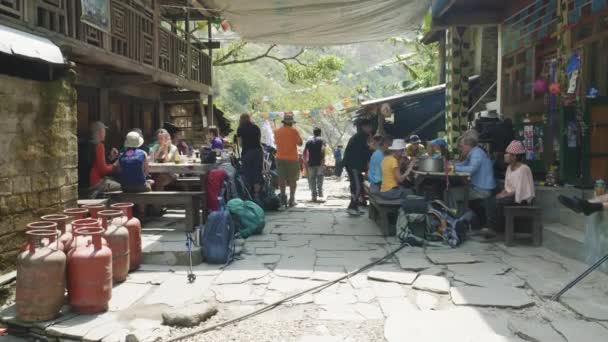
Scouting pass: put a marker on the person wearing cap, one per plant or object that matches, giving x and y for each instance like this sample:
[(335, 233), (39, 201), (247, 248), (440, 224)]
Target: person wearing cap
[(249, 137), (356, 159), (415, 148), (374, 176), (99, 180), (439, 148), (217, 143), (519, 183), (288, 139), (134, 165), (392, 176)]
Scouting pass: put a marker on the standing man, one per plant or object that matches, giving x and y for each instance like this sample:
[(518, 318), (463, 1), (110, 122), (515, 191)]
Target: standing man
[(288, 139), (315, 150), (249, 137), (338, 159), (356, 159), (99, 180)]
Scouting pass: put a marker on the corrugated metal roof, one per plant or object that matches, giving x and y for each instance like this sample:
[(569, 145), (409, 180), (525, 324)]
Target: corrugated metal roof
[(19, 43)]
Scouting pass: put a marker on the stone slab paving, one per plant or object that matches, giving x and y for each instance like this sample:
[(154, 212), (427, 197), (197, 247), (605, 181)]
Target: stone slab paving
[(432, 283), (402, 277), (449, 258), (581, 331), (533, 330), (505, 297), (304, 247)]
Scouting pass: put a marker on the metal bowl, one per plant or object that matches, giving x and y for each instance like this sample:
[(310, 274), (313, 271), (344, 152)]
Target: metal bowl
[(430, 165)]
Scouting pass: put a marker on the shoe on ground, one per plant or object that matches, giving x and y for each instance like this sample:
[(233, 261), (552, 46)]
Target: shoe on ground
[(353, 212), (292, 202), (570, 203)]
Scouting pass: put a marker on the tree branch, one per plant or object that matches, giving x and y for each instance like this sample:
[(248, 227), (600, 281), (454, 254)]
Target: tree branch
[(283, 60)]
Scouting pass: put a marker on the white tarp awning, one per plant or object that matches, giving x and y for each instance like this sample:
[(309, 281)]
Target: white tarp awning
[(15, 42), (320, 22)]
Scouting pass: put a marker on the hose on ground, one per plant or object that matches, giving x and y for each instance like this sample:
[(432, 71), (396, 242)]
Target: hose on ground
[(284, 300)]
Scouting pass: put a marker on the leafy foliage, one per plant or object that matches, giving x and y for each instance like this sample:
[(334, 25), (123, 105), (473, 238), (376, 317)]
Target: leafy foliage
[(421, 63)]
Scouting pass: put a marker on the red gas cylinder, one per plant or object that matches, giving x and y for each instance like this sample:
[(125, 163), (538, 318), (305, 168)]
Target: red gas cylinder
[(94, 209), (49, 240), (118, 240), (90, 274), (66, 237), (134, 227), (75, 214), (40, 279), (83, 240)]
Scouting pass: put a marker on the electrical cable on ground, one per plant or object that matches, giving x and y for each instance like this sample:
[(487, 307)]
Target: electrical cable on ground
[(284, 300)]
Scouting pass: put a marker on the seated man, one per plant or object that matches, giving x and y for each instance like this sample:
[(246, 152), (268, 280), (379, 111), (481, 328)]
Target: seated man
[(391, 173), (415, 148), (99, 180), (375, 164), (519, 184), (479, 165), (134, 165), (439, 149)]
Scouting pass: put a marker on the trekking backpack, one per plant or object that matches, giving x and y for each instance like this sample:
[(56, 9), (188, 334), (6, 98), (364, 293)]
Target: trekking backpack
[(215, 183), (217, 237), (250, 217)]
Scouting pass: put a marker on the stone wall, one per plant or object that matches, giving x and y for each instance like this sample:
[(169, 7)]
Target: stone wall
[(38, 156)]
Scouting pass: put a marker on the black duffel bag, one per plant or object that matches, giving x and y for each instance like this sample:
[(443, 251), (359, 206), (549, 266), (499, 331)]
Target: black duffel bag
[(412, 204)]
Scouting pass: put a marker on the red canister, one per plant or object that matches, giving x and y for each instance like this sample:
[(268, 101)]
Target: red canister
[(40, 284), (118, 240), (133, 225), (94, 209), (49, 240), (90, 274), (66, 237)]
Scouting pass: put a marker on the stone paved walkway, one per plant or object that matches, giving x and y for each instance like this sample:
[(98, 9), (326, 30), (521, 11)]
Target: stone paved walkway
[(475, 293)]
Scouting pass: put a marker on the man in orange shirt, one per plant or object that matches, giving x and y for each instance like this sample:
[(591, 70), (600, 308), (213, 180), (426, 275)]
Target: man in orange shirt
[(288, 139)]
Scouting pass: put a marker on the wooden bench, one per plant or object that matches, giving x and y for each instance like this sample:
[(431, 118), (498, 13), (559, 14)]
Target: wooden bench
[(380, 211), (189, 200), (529, 212), (188, 183)]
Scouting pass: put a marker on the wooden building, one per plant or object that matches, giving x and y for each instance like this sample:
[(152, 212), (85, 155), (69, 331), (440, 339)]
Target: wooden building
[(128, 58), (536, 40)]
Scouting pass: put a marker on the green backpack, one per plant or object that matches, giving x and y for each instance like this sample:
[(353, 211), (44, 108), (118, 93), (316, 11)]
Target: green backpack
[(249, 217)]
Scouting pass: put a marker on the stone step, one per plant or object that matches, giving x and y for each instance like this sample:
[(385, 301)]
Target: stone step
[(565, 240), (168, 248)]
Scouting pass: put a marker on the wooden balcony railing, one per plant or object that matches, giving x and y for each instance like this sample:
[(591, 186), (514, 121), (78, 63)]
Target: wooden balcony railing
[(135, 33)]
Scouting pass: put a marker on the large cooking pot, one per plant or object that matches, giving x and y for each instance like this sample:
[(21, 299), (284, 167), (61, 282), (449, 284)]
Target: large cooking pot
[(430, 165)]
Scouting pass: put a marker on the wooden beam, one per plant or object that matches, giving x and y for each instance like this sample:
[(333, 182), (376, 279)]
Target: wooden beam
[(118, 81), (207, 45), (201, 7), (467, 19)]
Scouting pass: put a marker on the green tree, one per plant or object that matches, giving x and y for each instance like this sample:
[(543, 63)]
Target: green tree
[(421, 63)]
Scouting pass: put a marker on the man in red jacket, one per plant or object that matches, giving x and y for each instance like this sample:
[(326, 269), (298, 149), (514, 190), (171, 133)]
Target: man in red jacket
[(100, 170)]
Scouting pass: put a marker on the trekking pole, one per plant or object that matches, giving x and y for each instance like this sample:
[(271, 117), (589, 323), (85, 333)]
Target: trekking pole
[(579, 278), (191, 275)]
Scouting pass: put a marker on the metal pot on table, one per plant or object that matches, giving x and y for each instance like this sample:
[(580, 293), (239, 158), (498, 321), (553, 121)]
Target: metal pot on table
[(430, 165)]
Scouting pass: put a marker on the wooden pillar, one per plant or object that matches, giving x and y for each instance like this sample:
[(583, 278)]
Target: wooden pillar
[(210, 95), (459, 66), (104, 106), (442, 59), (156, 47)]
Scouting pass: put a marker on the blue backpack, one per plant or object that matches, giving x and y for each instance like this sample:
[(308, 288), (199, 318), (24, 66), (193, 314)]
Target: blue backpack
[(250, 217), (217, 238)]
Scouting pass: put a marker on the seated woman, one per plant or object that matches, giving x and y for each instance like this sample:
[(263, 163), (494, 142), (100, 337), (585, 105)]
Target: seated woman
[(217, 143), (164, 152), (519, 184), (391, 172), (133, 162)]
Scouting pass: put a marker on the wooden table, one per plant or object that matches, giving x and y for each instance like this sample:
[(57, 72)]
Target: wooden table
[(421, 176), (192, 168)]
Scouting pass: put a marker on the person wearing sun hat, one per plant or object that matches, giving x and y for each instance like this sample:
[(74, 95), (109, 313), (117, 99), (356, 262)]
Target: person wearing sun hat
[(133, 162), (288, 139), (391, 173), (519, 183)]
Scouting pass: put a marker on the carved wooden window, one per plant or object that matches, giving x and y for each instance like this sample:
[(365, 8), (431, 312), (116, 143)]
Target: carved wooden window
[(52, 15), (11, 8)]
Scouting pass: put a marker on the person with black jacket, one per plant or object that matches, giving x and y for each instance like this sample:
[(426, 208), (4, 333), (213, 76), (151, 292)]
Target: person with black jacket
[(356, 159)]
